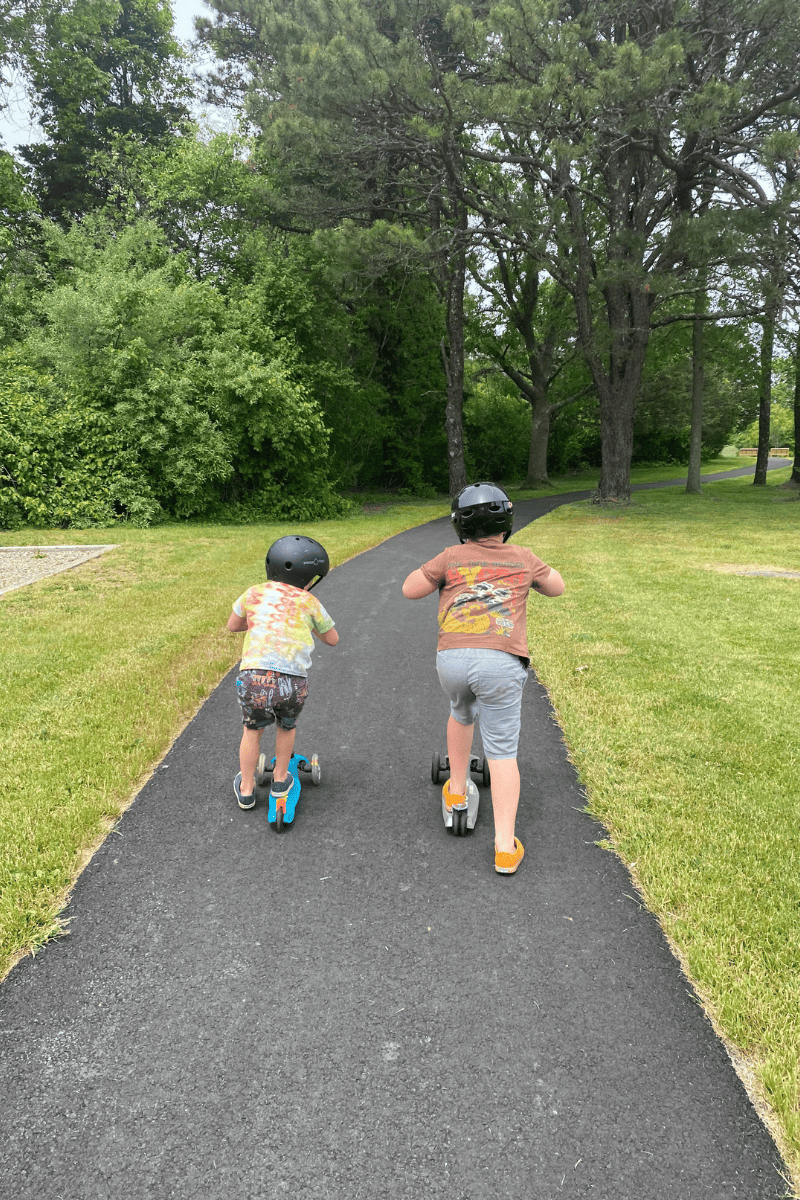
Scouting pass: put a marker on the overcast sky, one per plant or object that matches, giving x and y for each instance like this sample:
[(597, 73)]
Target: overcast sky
[(15, 124)]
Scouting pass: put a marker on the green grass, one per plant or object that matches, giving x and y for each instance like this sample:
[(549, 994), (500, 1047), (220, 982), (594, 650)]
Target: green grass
[(675, 681), (581, 481)]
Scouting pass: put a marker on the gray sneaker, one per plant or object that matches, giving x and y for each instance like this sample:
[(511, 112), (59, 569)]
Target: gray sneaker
[(279, 790), (244, 801)]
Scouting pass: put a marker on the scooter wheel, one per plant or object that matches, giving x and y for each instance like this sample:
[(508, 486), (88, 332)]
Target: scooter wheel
[(316, 773), (436, 767), (279, 820), (262, 771), (460, 822)]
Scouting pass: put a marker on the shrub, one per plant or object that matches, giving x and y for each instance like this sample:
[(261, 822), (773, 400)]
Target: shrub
[(62, 464)]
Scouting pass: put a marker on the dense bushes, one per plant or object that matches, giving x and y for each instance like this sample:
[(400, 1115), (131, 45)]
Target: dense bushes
[(140, 392), (170, 401), (62, 463), (133, 390), (497, 430)]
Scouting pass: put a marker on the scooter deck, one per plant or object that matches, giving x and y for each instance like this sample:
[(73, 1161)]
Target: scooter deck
[(292, 796), (473, 801)]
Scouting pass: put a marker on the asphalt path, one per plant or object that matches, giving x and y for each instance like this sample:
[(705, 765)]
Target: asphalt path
[(360, 1007)]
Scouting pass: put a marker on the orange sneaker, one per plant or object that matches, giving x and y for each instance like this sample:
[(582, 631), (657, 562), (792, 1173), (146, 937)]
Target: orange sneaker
[(453, 803), (506, 863)]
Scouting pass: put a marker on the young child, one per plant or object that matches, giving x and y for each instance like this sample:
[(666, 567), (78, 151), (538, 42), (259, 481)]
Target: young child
[(281, 620), (482, 658)]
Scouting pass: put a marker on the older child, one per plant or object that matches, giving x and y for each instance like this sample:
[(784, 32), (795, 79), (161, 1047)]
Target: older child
[(281, 620), (482, 658)]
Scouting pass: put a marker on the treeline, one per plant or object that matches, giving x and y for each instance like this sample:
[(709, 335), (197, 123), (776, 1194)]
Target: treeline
[(489, 241)]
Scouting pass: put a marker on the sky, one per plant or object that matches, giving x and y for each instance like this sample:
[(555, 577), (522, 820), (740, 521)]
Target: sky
[(16, 127)]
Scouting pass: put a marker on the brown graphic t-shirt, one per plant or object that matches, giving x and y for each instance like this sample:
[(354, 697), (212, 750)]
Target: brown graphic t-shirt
[(483, 592)]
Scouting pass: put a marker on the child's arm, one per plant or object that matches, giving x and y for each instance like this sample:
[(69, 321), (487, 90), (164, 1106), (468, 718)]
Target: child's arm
[(418, 585), (553, 585), (330, 638), (236, 624)]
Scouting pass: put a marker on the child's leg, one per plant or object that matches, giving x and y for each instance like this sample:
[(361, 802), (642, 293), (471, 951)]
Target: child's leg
[(293, 693), (452, 669), (505, 798), (459, 750), (284, 745), (498, 682), (249, 750)]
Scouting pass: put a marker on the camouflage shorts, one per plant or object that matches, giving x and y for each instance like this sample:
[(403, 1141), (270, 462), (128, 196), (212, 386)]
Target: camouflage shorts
[(267, 696)]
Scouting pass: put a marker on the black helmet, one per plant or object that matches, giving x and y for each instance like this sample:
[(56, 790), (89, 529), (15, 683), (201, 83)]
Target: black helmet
[(297, 560), (482, 510)]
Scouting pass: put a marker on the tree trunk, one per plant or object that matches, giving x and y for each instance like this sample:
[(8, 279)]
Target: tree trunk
[(540, 435), (535, 390), (764, 397), (794, 480), (617, 385), (629, 321), (451, 235), (698, 379), (453, 358), (616, 444)]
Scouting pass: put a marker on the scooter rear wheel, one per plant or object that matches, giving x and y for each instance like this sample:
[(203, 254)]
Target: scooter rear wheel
[(262, 771)]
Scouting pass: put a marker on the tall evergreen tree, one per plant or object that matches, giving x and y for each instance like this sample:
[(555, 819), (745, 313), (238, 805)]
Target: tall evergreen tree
[(359, 115), (99, 69)]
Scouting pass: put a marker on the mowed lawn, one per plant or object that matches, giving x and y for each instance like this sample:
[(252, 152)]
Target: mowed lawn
[(675, 678)]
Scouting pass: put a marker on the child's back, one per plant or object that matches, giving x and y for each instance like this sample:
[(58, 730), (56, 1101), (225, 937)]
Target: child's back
[(482, 659), (280, 619)]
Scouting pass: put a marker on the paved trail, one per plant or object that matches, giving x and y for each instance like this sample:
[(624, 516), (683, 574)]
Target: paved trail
[(361, 1008)]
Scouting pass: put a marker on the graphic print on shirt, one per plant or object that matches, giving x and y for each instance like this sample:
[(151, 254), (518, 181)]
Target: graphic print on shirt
[(483, 607)]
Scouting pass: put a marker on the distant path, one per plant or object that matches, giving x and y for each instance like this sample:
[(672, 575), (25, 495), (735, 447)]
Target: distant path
[(529, 510), (360, 1009)]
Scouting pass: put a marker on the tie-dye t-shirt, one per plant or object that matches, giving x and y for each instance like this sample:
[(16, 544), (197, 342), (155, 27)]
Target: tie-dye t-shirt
[(483, 593), (280, 619)]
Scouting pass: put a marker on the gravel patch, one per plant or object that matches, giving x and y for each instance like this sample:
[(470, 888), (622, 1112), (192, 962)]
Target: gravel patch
[(766, 572), (773, 574), (21, 565)]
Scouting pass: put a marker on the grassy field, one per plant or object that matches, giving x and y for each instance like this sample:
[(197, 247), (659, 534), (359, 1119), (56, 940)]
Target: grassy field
[(675, 680)]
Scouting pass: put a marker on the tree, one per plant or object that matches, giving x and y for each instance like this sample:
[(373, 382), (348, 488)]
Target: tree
[(17, 233), (357, 106), (99, 69), (209, 396), (794, 480), (617, 111), (530, 341), (663, 427)]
